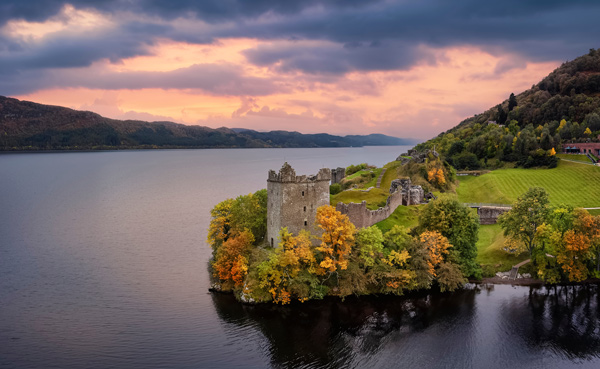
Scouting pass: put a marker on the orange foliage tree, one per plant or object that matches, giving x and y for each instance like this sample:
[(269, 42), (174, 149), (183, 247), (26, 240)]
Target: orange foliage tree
[(437, 247), (231, 259), (579, 244), (436, 176), (336, 241), (573, 255)]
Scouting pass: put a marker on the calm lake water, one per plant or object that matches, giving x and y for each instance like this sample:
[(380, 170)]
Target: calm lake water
[(103, 265)]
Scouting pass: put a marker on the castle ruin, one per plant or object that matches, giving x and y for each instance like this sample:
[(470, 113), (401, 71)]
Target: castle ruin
[(402, 192), (293, 201)]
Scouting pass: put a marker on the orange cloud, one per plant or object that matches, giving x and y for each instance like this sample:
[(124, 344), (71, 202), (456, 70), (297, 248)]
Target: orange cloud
[(419, 102)]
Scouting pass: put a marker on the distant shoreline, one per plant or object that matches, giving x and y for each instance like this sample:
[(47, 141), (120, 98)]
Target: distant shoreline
[(184, 148)]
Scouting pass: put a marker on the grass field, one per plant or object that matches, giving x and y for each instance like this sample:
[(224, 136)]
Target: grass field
[(575, 157), (569, 183), (490, 251)]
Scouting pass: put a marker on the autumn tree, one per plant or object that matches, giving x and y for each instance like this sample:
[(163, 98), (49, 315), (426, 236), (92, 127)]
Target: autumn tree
[(456, 222), (250, 212), (528, 213), (220, 224), (374, 268), (574, 254), (400, 244), (230, 264), (286, 274), (230, 217), (336, 240), (437, 247)]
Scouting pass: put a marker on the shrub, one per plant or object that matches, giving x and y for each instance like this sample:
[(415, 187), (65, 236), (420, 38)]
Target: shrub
[(335, 188), (355, 168)]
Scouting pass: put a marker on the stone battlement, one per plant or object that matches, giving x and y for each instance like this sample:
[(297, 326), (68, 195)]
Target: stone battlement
[(287, 174), (292, 201)]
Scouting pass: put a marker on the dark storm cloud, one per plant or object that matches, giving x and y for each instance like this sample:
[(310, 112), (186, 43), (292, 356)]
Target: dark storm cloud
[(337, 58), (362, 35), (214, 79), (207, 10)]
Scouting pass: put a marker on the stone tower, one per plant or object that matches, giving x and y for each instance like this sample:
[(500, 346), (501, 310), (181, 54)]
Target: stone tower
[(293, 201)]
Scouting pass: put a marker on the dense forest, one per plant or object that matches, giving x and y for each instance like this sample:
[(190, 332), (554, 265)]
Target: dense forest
[(29, 126), (530, 128)]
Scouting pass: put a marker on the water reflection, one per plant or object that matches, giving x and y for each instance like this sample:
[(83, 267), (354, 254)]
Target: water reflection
[(332, 333), (561, 319)]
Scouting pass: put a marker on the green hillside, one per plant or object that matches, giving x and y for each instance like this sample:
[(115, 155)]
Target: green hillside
[(529, 128), (570, 183)]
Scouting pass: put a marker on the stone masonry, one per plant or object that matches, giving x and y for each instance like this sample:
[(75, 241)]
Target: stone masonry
[(490, 214), (293, 201), (337, 175), (401, 193)]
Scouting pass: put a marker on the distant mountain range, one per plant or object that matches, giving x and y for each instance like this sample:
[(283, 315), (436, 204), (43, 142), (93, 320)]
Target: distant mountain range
[(26, 125)]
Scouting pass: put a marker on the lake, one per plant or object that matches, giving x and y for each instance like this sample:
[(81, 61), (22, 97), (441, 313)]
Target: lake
[(103, 265)]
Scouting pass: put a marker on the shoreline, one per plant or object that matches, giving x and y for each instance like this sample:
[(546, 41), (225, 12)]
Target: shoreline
[(533, 282)]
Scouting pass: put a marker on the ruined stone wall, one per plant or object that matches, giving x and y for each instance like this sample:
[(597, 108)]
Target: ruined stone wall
[(401, 193), (489, 214), (337, 175), (362, 217), (292, 201)]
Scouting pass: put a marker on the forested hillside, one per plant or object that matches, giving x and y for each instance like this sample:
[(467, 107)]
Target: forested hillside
[(26, 125), (529, 128)]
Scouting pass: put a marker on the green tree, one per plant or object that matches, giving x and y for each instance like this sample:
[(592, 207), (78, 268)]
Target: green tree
[(501, 115), (250, 212), (528, 213), (512, 102), (456, 222)]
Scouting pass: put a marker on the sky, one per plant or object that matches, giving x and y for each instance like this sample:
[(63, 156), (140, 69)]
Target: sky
[(404, 68)]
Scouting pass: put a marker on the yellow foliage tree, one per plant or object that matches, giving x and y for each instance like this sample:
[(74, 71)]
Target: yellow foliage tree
[(220, 223), (551, 152), (336, 240), (437, 246), (293, 255), (587, 131)]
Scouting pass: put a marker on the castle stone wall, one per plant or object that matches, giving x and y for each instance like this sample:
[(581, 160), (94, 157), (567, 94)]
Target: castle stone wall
[(337, 175), (490, 214), (292, 201), (362, 217)]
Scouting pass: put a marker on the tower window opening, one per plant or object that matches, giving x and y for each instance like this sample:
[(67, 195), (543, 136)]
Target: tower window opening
[(305, 223), (305, 208), (302, 193)]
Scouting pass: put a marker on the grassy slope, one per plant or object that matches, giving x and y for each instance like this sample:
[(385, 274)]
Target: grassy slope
[(376, 197), (575, 157), (569, 183), (490, 250), (405, 216)]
